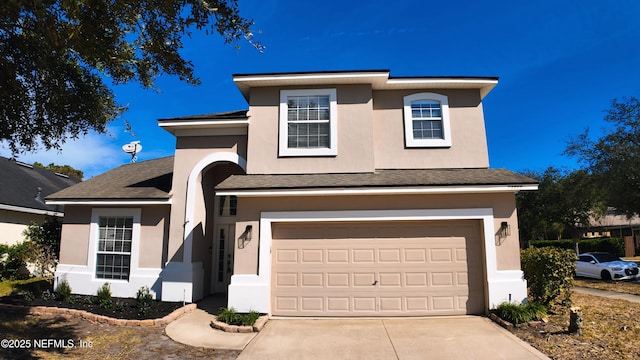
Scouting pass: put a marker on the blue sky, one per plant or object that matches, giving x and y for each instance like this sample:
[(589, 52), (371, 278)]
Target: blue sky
[(560, 63)]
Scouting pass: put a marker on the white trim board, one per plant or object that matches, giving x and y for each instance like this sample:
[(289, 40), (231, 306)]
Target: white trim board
[(30, 210), (252, 292)]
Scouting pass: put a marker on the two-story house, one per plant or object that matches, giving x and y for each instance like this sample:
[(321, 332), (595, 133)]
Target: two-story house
[(336, 194)]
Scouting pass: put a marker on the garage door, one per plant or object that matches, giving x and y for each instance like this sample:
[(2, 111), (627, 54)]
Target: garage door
[(377, 269)]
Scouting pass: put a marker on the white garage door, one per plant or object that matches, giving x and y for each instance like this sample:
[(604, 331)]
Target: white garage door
[(377, 269)]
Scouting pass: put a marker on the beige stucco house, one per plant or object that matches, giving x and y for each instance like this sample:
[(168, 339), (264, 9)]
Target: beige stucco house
[(336, 194)]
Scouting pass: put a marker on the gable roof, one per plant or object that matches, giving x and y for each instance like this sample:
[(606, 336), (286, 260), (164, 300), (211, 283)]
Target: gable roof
[(145, 181), (407, 178), (25, 186)]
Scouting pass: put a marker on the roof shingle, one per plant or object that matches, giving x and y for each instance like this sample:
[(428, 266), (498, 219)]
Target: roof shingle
[(21, 182), (145, 180), (380, 178)]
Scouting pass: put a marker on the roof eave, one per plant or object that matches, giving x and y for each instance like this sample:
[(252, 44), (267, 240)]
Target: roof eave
[(400, 190), (378, 79), (110, 202)]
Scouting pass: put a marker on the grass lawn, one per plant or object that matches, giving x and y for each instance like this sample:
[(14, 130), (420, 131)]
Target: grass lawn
[(13, 287), (626, 287)]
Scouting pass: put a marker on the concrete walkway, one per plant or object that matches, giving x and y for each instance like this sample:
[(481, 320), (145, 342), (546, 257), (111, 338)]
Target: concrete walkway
[(607, 294), (463, 337), (194, 328)]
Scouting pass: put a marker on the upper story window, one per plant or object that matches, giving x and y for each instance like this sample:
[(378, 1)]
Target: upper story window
[(426, 120), (308, 123)]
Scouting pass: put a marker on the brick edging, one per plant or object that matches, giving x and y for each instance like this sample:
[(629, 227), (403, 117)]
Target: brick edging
[(257, 326), (46, 310)]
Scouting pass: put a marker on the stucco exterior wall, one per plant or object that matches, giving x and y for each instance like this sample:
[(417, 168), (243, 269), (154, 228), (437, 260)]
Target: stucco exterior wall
[(189, 152), (76, 233), (355, 134), (13, 223), (503, 204), (154, 236), (76, 226), (469, 144)]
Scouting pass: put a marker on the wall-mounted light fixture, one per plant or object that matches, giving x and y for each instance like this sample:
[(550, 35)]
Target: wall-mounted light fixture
[(245, 237), (505, 229)]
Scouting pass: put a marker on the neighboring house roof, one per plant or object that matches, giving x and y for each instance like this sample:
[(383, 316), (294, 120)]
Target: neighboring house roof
[(143, 181), (380, 178), (24, 187), (613, 219)]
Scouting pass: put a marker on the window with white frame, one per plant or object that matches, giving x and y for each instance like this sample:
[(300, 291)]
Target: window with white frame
[(114, 244), (113, 255), (426, 120), (308, 122)]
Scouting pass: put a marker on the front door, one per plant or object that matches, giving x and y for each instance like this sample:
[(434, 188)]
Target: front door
[(222, 269)]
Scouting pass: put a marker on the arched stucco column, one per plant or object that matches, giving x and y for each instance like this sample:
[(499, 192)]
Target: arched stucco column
[(183, 281)]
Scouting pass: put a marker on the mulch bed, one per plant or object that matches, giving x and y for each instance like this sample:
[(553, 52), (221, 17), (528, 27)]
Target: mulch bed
[(121, 308)]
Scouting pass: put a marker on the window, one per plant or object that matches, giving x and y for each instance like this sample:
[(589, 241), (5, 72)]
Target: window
[(308, 123), (426, 120), (114, 245), (228, 205), (115, 237)]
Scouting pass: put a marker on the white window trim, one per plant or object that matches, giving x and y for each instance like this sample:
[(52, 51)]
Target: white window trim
[(284, 150), (95, 232), (408, 121)]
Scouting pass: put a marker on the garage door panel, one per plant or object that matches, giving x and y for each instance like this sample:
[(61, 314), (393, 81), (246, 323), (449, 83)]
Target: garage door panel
[(381, 269)]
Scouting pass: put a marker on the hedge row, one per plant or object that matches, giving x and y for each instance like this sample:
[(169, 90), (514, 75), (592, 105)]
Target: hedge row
[(612, 245)]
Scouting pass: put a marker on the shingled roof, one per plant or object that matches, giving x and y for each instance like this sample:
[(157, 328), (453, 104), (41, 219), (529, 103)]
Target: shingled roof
[(24, 186), (145, 180), (379, 178)]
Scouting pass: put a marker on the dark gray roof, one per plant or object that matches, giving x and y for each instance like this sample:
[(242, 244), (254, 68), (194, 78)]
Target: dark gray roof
[(380, 178), (145, 180), (19, 184), (214, 116)]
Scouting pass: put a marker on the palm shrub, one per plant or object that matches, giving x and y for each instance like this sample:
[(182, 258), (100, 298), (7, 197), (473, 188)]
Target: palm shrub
[(231, 317), (549, 273), (521, 313)]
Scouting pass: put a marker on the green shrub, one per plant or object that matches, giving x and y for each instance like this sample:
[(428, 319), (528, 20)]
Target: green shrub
[(250, 318), (144, 301), (612, 245), (549, 273), (231, 317), (14, 260), (560, 244), (63, 291), (521, 313), (104, 296)]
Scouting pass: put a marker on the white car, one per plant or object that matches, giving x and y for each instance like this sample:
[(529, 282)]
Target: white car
[(605, 266)]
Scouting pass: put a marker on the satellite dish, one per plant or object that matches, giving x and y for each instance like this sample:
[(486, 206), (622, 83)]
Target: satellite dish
[(132, 148)]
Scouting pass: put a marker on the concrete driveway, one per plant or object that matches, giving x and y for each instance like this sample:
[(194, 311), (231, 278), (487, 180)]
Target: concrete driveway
[(464, 337)]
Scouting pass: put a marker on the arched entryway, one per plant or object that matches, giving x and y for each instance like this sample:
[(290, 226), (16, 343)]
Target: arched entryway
[(210, 223)]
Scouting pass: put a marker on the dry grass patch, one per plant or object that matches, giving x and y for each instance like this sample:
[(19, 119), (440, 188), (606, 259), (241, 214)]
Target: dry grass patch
[(106, 341), (610, 331), (626, 287)]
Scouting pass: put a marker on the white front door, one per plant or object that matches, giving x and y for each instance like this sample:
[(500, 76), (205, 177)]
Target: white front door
[(222, 269)]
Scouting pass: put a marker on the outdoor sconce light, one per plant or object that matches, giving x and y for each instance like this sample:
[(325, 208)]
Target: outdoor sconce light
[(247, 232), (245, 237), (505, 229)]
